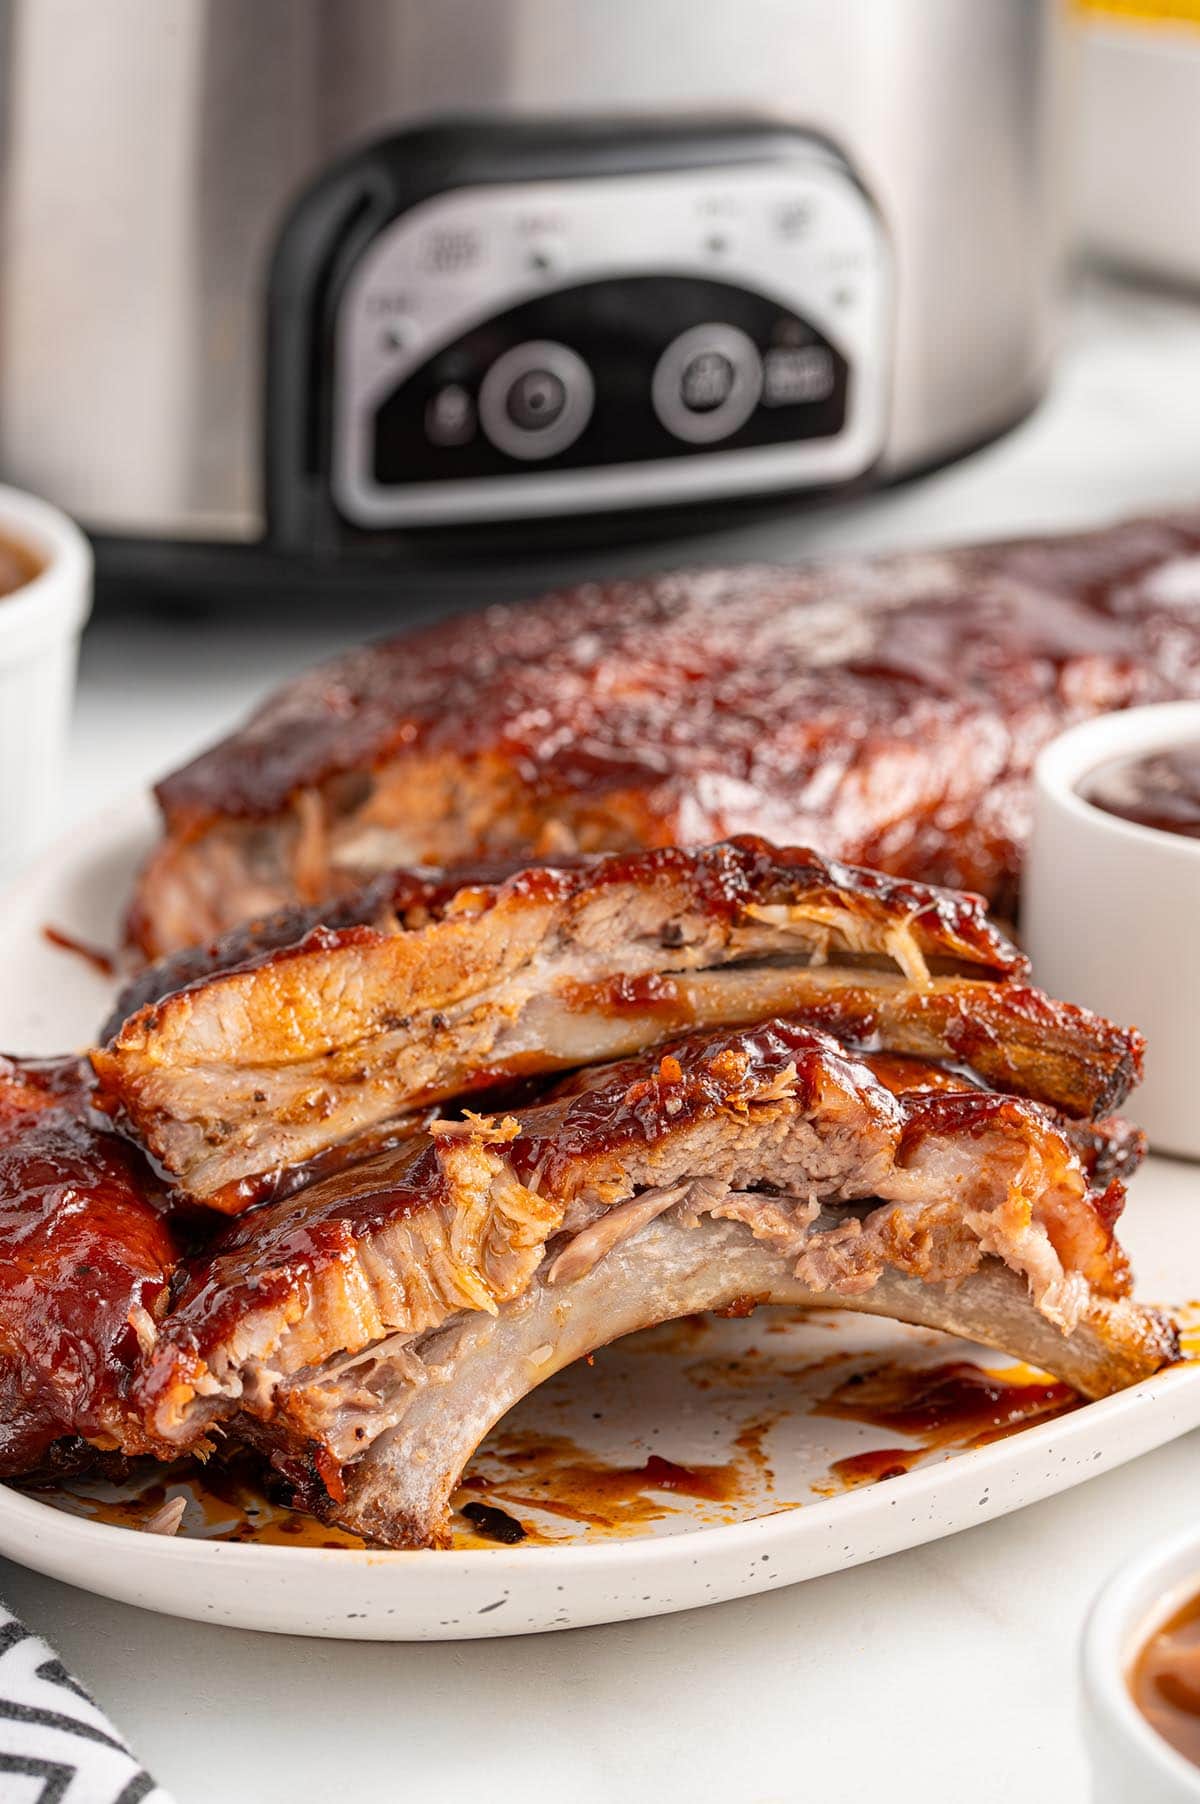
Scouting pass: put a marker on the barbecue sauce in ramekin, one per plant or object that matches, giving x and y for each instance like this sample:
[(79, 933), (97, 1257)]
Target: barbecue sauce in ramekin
[(1165, 1680), (1155, 789), (17, 567)]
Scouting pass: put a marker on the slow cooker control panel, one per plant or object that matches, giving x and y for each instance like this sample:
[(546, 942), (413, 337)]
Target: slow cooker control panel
[(506, 349)]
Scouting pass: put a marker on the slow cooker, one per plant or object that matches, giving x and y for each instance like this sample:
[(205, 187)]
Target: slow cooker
[(299, 289)]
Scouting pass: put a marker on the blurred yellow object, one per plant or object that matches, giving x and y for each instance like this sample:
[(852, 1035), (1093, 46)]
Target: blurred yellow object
[(1139, 122), (1146, 12)]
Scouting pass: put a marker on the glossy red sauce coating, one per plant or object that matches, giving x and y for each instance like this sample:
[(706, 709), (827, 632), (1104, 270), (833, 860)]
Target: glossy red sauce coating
[(888, 710), (263, 1257), (1161, 790), (934, 1114), (1012, 1040), (648, 1099), (82, 1244), (641, 1101), (1165, 1681), (18, 565)]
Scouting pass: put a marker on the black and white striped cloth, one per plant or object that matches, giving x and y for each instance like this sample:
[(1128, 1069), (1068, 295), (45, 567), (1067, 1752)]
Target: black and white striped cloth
[(56, 1747)]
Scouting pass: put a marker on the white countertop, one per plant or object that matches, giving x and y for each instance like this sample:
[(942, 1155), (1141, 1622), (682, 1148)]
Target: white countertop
[(944, 1673)]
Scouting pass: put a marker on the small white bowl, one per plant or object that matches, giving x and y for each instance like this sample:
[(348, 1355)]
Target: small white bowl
[(1131, 1763), (1110, 912), (40, 625)]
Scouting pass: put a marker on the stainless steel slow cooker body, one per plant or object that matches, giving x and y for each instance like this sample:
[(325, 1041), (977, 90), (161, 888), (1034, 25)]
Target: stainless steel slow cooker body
[(151, 155)]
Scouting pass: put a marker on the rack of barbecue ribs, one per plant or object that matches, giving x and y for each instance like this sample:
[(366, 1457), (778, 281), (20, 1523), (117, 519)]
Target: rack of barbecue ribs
[(338, 1191), (887, 711)]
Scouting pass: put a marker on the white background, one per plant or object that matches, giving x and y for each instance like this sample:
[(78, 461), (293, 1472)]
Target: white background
[(945, 1673)]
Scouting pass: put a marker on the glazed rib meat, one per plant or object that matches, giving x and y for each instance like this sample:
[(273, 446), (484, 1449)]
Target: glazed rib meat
[(366, 1333), (887, 711), (86, 1259), (431, 989), (1108, 1147)]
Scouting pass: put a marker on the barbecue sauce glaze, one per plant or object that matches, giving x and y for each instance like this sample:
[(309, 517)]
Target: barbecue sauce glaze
[(1160, 789), (1165, 1681), (17, 567)]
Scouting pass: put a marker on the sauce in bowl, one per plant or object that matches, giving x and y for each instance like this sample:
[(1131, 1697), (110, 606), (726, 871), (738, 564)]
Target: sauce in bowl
[(1165, 1681), (1157, 789), (17, 566)]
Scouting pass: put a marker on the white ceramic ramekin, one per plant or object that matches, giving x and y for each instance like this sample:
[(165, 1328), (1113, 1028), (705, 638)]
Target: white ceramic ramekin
[(1110, 913), (1131, 1763), (40, 624)]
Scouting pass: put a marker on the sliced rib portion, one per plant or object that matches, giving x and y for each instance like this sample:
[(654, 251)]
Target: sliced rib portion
[(244, 1075), (765, 1163), (887, 710), (86, 1258)]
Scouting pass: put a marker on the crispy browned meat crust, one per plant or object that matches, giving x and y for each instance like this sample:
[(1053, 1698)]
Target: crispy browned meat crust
[(396, 898), (1109, 1148), (887, 711), (237, 1081)]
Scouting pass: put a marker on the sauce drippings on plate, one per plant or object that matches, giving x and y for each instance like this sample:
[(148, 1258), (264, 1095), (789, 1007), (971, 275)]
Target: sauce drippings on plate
[(1165, 1681), (874, 1464), (956, 1403), (944, 1408), (223, 1501), (557, 1477), (530, 1486), (229, 1500), (17, 566), (95, 956), (1159, 790)]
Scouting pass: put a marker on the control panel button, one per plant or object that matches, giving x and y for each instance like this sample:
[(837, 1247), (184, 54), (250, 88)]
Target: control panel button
[(450, 416), (536, 400), (707, 383), (797, 377)]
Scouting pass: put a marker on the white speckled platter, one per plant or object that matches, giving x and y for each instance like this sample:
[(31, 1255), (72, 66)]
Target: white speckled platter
[(690, 1464)]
